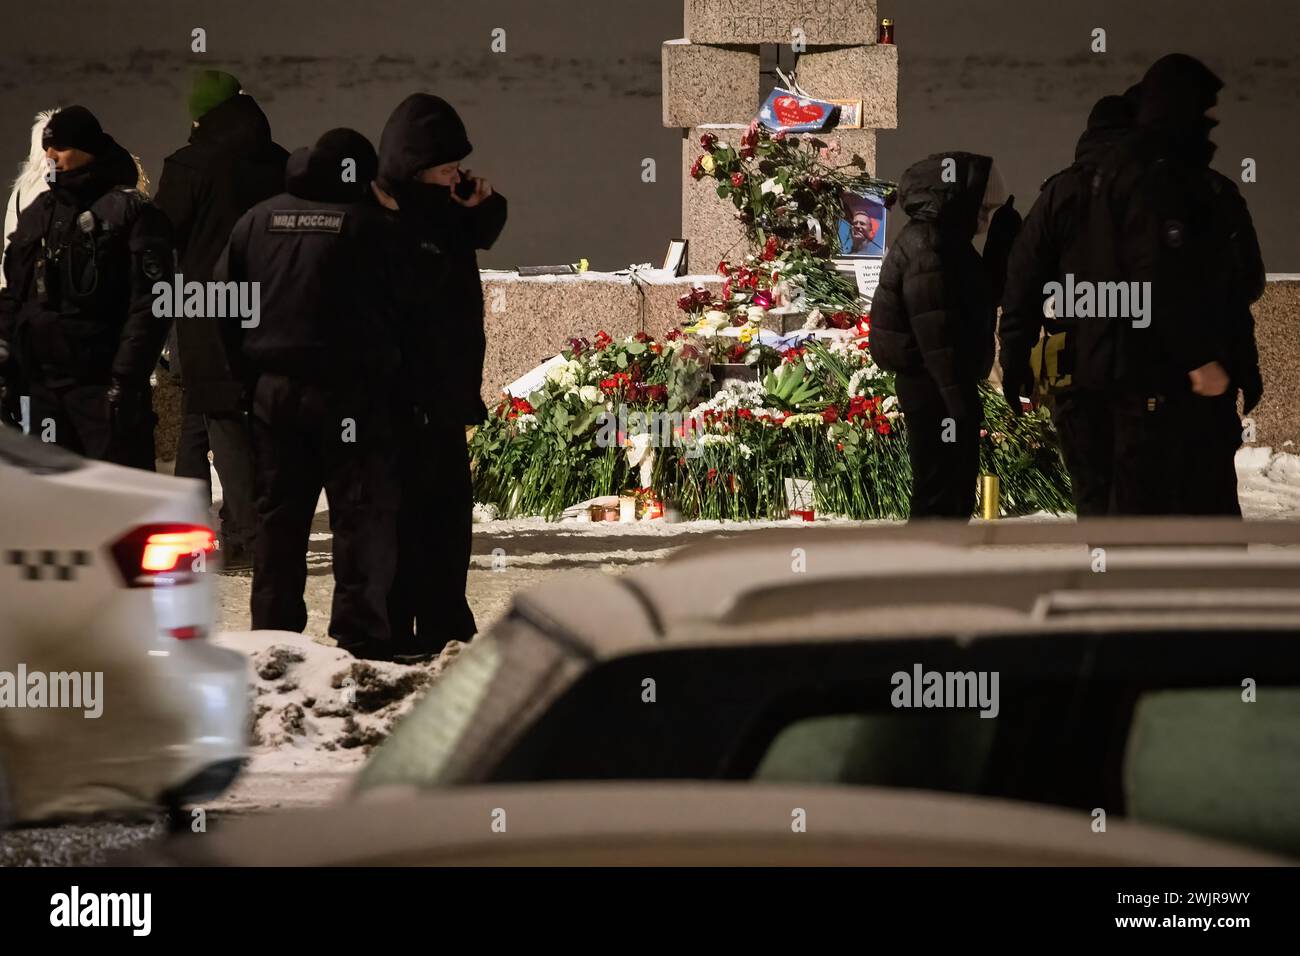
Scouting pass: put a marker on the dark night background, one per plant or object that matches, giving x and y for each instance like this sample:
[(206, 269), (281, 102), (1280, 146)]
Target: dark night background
[(563, 119)]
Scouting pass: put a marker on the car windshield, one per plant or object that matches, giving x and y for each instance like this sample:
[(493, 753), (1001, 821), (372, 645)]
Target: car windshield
[(38, 457)]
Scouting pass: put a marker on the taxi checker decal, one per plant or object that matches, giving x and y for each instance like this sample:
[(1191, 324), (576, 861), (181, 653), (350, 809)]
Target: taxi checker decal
[(305, 220), (48, 565)]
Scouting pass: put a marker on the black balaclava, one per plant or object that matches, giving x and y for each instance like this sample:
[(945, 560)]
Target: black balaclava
[(423, 131), (1175, 93), (75, 127), (316, 172), (1111, 119)]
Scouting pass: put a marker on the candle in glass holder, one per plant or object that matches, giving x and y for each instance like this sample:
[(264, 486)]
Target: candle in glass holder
[(886, 30)]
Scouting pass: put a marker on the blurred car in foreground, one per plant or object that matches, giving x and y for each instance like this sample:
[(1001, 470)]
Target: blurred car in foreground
[(685, 824), (1147, 671), (111, 698)]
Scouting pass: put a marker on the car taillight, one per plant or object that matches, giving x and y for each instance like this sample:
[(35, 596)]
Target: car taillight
[(163, 554)]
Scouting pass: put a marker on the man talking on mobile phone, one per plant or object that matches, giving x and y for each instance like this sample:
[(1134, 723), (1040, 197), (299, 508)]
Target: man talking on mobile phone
[(448, 215)]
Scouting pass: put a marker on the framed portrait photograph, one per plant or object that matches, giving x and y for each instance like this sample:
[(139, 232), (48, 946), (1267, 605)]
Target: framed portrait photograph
[(850, 114), (862, 228)]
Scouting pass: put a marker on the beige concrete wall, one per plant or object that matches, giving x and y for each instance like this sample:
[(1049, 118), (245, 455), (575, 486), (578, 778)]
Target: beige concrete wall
[(1277, 330)]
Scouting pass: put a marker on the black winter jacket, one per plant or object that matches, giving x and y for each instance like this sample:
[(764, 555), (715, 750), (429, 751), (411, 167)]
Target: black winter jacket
[(229, 166), (1042, 251), (425, 131), (329, 270), (94, 321), (932, 312), (1154, 217)]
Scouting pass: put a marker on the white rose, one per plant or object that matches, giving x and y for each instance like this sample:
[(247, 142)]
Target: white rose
[(756, 314), (589, 394)]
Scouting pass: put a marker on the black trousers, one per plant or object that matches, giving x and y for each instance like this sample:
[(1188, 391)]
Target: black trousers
[(1211, 438), (78, 418), (307, 437), (227, 436), (427, 606), (944, 452), (1134, 453), (1087, 434)]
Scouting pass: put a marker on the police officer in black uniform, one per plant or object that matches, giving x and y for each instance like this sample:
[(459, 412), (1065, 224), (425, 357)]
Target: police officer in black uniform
[(320, 363), (449, 215), (1043, 253), (76, 317)]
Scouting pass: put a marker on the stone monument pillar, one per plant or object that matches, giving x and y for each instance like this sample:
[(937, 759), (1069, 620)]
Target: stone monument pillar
[(711, 83)]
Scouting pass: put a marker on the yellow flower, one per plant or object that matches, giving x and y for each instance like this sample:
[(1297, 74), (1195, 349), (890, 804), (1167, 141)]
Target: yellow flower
[(747, 334), (707, 164)]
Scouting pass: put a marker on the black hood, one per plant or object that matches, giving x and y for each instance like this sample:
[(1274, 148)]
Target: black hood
[(112, 166), (1111, 119), (238, 123), (1175, 93), (316, 172), (952, 206), (423, 131)]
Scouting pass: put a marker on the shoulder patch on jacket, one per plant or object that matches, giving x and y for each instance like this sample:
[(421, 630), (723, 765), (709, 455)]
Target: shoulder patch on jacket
[(306, 220)]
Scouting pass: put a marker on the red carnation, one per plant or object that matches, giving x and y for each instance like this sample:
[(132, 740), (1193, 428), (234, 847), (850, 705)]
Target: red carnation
[(603, 339), (697, 169), (737, 179), (708, 141), (686, 302), (831, 415)]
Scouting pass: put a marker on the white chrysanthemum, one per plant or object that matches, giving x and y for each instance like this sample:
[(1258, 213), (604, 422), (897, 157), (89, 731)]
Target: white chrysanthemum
[(564, 374)]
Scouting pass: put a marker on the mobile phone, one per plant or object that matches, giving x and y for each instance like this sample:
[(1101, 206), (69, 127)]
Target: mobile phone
[(465, 188)]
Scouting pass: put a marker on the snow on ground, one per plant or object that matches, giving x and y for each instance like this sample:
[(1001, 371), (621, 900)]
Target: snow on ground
[(316, 712)]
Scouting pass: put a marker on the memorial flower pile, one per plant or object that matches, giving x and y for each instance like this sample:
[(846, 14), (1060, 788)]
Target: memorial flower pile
[(649, 414)]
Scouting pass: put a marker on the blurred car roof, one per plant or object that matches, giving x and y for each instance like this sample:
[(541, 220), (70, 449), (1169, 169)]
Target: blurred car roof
[(895, 581), (709, 824)]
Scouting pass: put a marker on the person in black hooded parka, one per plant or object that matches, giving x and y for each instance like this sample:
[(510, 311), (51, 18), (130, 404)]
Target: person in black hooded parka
[(420, 151), (1154, 217), (230, 165), (932, 322), (76, 316), (320, 362), (1042, 254)]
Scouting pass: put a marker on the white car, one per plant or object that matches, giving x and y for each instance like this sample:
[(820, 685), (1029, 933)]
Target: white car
[(111, 697)]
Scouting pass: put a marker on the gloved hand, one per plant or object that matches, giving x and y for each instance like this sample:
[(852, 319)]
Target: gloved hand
[(1012, 389), (126, 404), (11, 410), (10, 394)]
